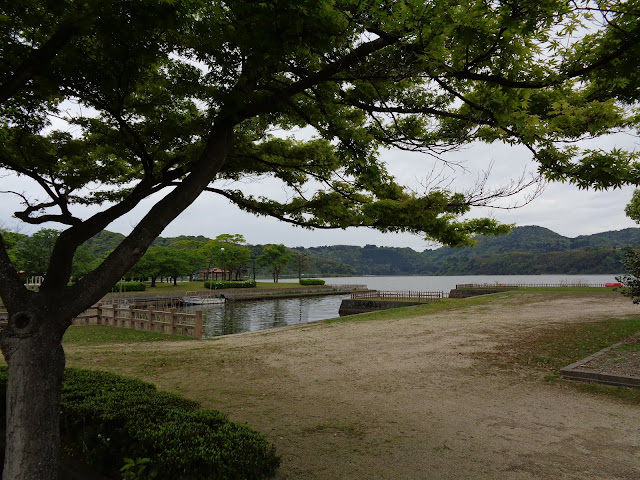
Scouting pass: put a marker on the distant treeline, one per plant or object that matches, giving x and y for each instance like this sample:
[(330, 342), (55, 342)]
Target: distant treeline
[(526, 251)]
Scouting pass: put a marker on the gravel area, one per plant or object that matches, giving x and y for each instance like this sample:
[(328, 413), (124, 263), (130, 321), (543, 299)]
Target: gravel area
[(623, 359)]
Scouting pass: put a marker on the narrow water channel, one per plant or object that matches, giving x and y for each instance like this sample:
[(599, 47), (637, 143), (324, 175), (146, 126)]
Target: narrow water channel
[(249, 316)]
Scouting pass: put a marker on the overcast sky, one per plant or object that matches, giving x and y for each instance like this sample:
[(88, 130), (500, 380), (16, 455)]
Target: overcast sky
[(562, 208)]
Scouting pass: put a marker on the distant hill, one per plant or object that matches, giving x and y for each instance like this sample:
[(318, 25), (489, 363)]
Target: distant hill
[(526, 250), (616, 238), (534, 239), (168, 241), (530, 239), (104, 242)]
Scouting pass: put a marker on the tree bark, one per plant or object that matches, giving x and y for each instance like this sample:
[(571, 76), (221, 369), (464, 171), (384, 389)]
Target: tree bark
[(32, 346)]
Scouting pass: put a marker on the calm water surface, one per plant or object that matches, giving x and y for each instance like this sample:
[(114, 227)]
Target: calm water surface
[(238, 317), (249, 316), (445, 283)]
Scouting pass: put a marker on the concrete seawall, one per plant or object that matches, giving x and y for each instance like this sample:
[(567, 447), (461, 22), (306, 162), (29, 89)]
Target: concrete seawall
[(474, 292), (352, 307)]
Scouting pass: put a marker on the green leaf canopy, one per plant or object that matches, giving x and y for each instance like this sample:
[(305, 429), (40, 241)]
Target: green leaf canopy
[(181, 97)]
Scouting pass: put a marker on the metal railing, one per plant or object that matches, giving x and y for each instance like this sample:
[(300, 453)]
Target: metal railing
[(507, 286)]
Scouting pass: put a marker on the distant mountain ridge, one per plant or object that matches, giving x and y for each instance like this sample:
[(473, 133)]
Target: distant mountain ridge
[(534, 239), (526, 250)]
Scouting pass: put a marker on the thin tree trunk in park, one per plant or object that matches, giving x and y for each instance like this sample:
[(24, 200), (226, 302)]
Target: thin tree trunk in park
[(34, 353)]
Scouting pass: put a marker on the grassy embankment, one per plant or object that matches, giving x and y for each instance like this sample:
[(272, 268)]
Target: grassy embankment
[(451, 304)]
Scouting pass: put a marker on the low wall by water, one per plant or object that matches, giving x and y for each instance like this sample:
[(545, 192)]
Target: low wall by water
[(239, 297), (473, 292), (352, 307)]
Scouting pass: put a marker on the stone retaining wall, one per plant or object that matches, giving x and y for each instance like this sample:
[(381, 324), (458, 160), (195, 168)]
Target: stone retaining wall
[(472, 292), (352, 307)]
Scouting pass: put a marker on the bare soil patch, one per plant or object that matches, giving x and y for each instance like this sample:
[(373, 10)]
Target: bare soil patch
[(407, 398)]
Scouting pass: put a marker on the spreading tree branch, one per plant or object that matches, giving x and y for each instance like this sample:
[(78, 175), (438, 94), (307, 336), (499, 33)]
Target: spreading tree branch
[(40, 58)]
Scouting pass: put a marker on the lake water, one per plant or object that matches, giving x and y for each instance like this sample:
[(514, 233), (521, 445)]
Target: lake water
[(446, 283), (252, 315), (248, 316)]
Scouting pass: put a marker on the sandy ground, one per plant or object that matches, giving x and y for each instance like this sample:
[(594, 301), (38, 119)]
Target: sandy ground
[(403, 399)]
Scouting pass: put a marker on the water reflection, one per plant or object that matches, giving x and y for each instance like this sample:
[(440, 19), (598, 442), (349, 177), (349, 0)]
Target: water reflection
[(249, 316)]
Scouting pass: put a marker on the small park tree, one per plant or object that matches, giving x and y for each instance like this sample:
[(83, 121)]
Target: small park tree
[(301, 261), (631, 281), (228, 252), (276, 257), (162, 262), (33, 252), (190, 251), (166, 99)]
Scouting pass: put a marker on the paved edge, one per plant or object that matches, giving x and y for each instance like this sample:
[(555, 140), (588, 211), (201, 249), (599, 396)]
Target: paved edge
[(575, 372)]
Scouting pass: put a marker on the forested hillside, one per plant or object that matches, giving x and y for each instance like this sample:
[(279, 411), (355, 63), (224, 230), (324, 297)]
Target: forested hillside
[(526, 250)]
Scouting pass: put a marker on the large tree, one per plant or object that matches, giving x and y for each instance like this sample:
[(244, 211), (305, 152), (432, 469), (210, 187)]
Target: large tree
[(228, 252), (166, 99), (162, 262)]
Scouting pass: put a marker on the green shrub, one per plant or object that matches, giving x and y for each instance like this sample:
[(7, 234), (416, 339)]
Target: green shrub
[(230, 284), (109, 420), (311, 281), (129, 287)]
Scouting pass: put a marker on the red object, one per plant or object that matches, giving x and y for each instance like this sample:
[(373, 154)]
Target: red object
[(612, 284)]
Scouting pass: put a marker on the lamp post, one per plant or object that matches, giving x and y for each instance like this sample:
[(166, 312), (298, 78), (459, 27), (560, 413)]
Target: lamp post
[(223, 270), (253, 266)]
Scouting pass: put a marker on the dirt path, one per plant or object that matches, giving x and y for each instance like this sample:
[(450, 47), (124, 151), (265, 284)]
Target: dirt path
[(402, 399)]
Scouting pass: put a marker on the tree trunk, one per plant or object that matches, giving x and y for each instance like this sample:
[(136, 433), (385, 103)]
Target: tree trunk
[(32, 346)]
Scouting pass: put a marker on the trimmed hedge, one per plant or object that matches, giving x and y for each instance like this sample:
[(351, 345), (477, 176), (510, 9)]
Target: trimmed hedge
[(311, 281), (230, 284), (129, 287), (109, 420)]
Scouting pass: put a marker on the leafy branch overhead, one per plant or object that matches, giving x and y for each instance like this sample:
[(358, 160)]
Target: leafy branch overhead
[(363, 75)]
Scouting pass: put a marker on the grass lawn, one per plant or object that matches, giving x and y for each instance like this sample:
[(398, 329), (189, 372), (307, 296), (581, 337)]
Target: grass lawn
[(449, 304), (550, 349), (102, 334)]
